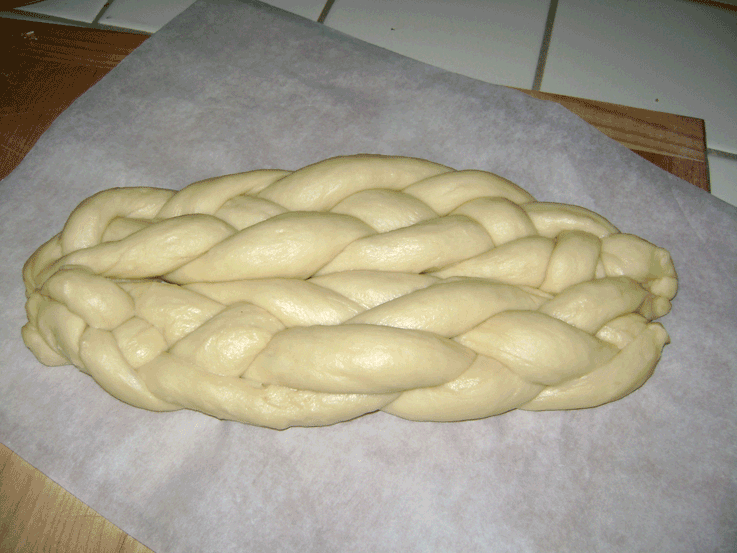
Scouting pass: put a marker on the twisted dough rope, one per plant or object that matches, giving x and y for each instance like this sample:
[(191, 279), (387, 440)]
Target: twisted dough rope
[(357, 284)]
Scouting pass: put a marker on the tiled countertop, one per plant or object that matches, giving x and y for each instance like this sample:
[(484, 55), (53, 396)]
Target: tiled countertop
[(675, 56)]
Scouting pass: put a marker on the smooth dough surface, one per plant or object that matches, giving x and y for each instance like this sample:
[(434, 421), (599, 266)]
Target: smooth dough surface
[(356, 284)]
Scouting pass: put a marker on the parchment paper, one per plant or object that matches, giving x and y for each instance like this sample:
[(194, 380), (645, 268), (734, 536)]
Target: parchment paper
[(231, 86)]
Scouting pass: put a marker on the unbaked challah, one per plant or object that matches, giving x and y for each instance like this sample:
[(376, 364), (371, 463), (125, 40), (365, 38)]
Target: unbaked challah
[(356, 284)]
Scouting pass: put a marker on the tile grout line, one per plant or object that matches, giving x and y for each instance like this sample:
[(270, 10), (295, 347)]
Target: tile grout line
[(721, 153), (545, 46), (96, 20), (325, 10)]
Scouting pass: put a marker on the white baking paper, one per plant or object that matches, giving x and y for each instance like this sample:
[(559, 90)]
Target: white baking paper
[(233, 86)]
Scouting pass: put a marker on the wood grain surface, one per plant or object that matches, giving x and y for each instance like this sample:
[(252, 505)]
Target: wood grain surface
[(675, 143), (37, 514), (45, 68)]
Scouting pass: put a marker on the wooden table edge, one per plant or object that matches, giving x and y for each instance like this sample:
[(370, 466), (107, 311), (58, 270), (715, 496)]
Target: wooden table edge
[(37, 514), (675, 143)]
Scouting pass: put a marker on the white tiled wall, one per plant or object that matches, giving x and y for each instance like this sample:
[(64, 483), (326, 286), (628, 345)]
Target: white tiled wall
[(497, 41), (142, 15), (311, 9), (677, 56), (723, 174)]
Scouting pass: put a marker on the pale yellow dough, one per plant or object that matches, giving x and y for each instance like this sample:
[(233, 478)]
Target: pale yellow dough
[(357, 284)]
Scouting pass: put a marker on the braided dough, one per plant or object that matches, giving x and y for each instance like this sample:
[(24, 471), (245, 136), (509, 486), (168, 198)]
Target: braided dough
[(357, 284)]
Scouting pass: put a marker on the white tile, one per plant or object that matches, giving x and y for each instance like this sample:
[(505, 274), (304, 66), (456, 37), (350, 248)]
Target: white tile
[(675, 56), (311, 9), (84, 11), (723, 178), (143, 15), (497, 41)]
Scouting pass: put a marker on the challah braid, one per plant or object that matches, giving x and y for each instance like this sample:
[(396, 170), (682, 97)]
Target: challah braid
[(357, 284)]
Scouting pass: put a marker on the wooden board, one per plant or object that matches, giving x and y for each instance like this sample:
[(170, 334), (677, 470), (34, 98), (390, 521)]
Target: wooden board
[(675, 143), (43, 69), (38, 515)]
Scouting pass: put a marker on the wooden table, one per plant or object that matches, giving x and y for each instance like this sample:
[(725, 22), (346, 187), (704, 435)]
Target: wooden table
[(47, 68)]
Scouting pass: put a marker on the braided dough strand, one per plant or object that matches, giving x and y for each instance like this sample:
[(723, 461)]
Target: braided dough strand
[(357, 284)]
